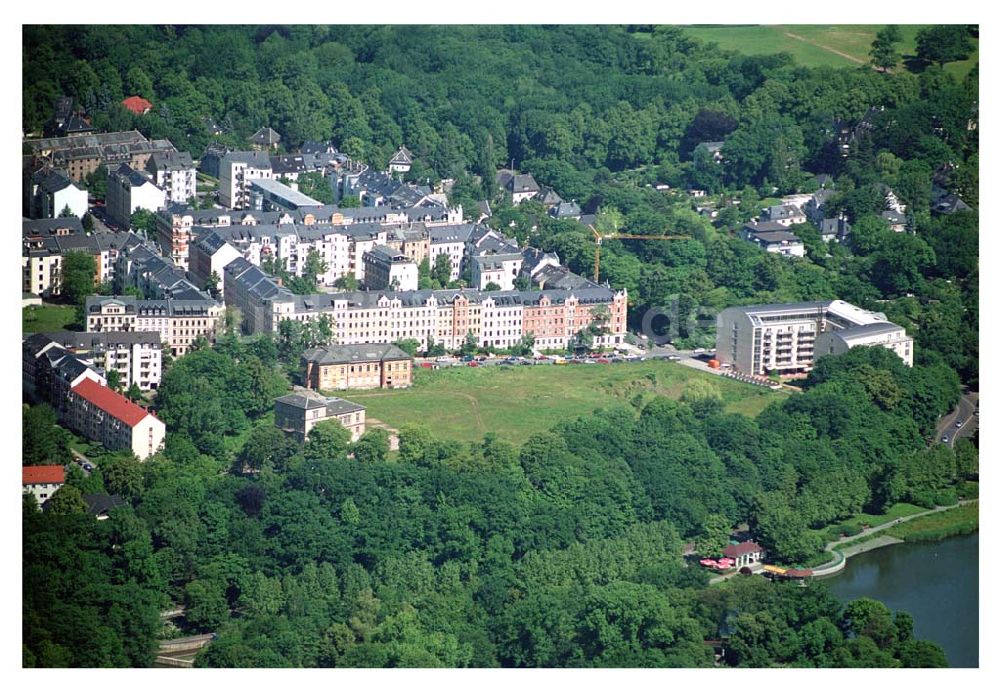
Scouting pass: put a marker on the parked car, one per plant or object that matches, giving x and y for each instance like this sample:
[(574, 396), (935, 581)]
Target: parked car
[(473, 363), (673, 357), (945, 439)]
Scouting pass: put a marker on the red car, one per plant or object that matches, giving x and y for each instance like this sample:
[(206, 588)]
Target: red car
[(603, 360), (473, 363)]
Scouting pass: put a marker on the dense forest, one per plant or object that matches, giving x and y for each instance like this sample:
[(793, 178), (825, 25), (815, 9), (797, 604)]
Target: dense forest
[(565, 551)]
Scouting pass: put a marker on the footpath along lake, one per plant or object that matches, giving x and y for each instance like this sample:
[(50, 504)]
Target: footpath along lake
[(935, 582)]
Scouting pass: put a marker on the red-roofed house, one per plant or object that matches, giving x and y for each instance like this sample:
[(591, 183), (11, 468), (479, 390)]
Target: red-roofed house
[(42, 480), (745, 553), (137, 105), (100, 414)]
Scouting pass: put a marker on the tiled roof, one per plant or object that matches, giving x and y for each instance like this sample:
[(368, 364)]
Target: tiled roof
[(42, 474), (137, 104), (110, 402), (740, 549)]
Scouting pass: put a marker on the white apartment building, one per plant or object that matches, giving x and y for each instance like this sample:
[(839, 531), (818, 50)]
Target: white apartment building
[(209, 255), (787, 338), (52, 191), (884, 334), (449, 240), (495, 269), (175, 173), (236, 171), (128, 191), (387, 268), (137, 356), (178, 322), (502, 321)]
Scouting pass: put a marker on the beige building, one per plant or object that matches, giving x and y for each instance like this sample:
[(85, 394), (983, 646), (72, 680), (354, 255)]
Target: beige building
[(786, 338), (82, 155), (102, 415), (299, 412), (360, 366), (178, 322)]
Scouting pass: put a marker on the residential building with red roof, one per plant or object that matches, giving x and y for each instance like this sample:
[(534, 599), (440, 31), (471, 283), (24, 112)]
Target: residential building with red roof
[(103, 415), (42, 480), (137, 105)]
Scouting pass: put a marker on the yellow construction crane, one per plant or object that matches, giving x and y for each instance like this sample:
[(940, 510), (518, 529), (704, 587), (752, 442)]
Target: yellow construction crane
[(616, 235)]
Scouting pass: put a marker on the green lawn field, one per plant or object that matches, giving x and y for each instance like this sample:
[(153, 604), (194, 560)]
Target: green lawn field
[(834, 45), (514, 402), (47, 318)]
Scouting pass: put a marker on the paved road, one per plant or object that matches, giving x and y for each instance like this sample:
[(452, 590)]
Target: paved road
[(82, 460), (964, 413)]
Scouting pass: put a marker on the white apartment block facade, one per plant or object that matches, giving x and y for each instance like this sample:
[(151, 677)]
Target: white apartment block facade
[(178, 322), (128, 191), (787, 338), (175, 174), (236, 171), (444, 317)]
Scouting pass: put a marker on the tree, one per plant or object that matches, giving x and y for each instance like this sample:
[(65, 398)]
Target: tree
[(714, 535), (42, 441), (492, 286), (316, 186), (97, 184), (883, 53), (77, 276), (314, 267), (123, 475), (114, 378), (424, 275), (212, 284), (944, 43), (88, 222), (327, 440), (409, 346), (441, 272), (372, 447), (872, 619), (67, 211), (348, 282), (143, 222), (66, 501)]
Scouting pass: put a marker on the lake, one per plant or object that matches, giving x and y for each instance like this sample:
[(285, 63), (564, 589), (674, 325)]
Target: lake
[(935, 582)]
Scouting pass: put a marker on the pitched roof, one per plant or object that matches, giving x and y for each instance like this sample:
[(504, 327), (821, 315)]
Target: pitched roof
[(266, 136), (43, 474), (110, 402), (98, 504), (355, 353), (402, 156), (741, 548), (310, 400), (137, 104)]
